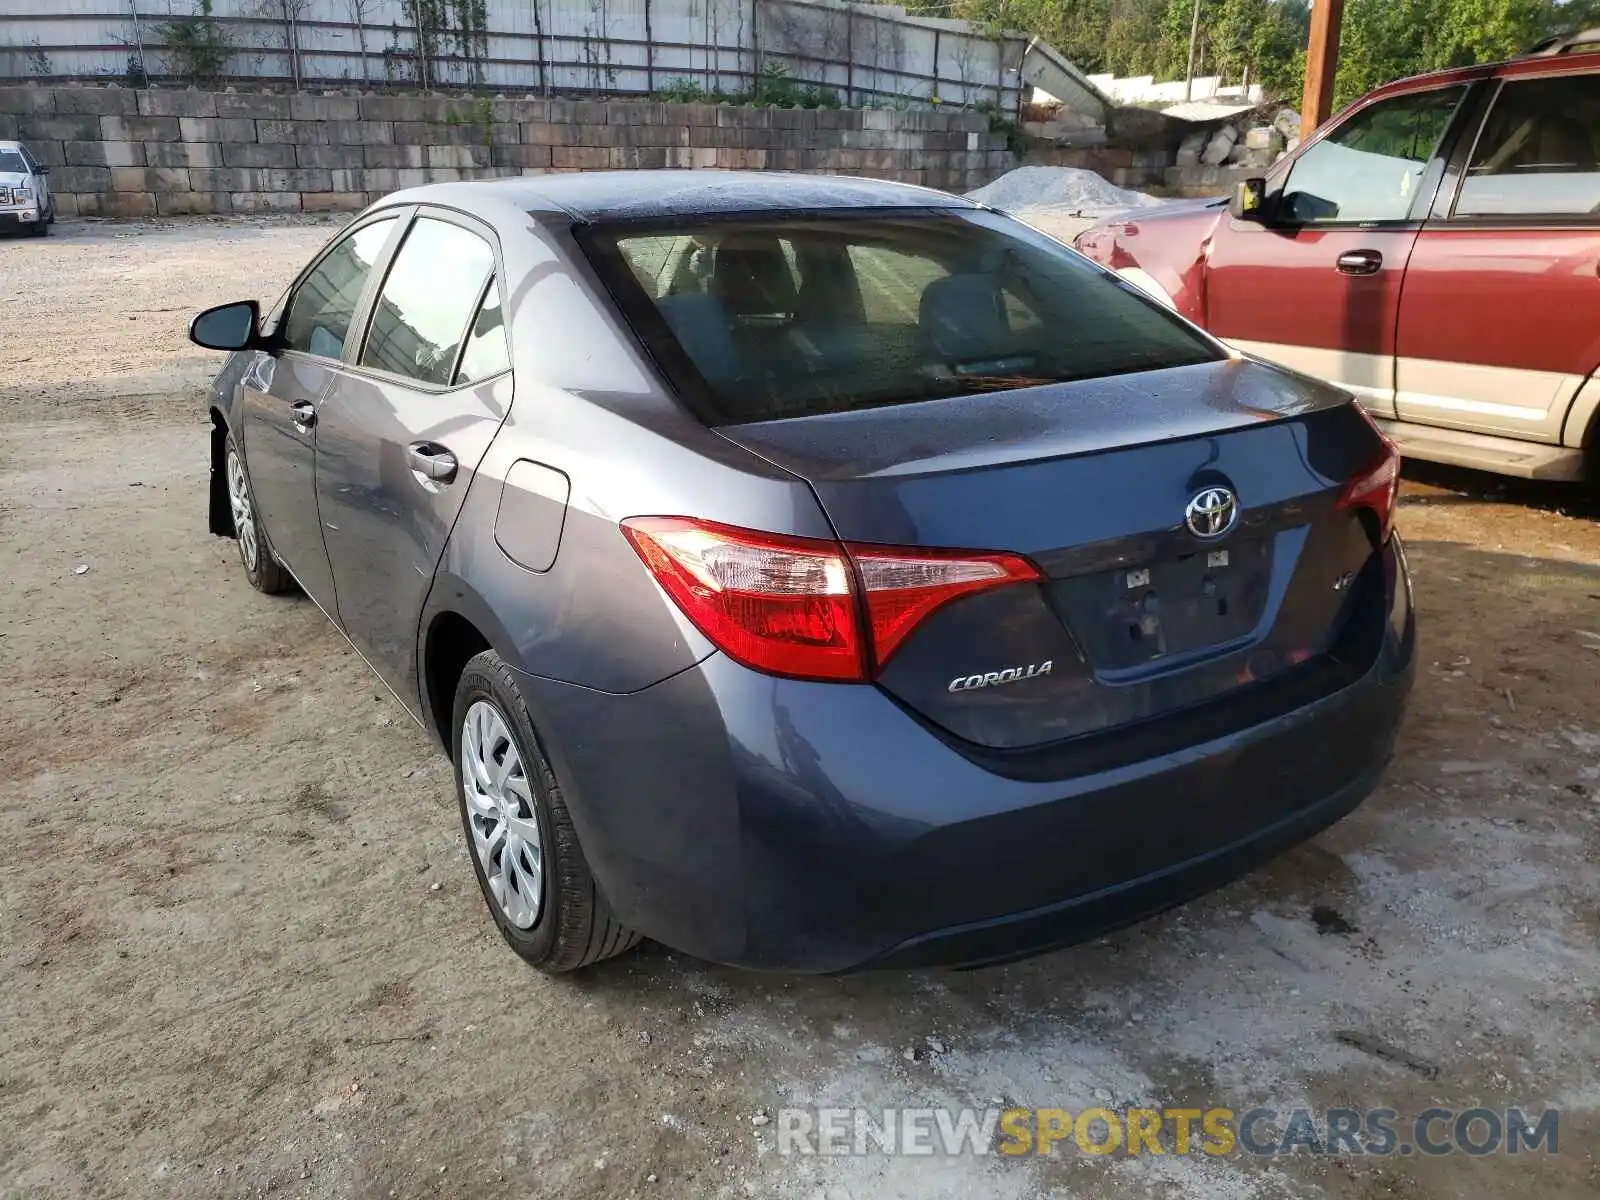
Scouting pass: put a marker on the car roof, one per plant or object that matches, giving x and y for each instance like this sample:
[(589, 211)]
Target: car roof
[(4, 145), (1526, 65), (635, 195)]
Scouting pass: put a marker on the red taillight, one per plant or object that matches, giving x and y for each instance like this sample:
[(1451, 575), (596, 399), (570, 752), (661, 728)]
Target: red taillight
[(904, 586), (793, 606), (1378, 485)]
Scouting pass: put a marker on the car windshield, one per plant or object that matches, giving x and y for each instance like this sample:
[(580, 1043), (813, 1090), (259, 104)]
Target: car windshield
[(11, 162), (787, 316)]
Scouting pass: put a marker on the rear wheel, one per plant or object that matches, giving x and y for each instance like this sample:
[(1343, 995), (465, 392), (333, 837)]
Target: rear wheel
[(524, 849), (261, 566)]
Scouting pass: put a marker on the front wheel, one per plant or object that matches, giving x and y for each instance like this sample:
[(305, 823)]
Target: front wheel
[(524, 848), (40, 228), (261, 565)]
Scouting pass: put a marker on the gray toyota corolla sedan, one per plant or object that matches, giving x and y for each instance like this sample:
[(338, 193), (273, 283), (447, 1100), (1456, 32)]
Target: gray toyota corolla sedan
[(816, 573)]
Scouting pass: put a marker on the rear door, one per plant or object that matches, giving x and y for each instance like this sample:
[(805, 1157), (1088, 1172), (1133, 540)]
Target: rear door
[(403, 429), (1492, 337), (280, 395), (1319, 289)]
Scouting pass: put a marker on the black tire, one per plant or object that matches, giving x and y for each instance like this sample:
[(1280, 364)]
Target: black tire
[(266, 574), (573, 928), (40, 228)]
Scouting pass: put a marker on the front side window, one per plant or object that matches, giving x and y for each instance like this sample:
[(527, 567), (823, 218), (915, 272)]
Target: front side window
[(1537, 154), (427, 301), (1368, 169), (799, 315), (323, 306)]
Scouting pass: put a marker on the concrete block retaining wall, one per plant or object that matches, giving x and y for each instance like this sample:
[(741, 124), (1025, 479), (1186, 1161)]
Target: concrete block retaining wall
[(121, 152)]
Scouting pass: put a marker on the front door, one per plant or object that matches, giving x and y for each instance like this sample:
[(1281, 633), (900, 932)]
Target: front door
[(40, 183), (1492, 338), (402, 432), (281, 393), (1318, 289)]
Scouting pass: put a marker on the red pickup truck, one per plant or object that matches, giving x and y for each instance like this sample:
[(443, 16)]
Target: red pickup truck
[(1435, 250)]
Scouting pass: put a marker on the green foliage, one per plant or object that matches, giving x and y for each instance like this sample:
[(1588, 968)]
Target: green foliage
[(681, 91), (774, 88), (1265, 40), (134, 74), (1017, 141), (450, 29), (198, 48)]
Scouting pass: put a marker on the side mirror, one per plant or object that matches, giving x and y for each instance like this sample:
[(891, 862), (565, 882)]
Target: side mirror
[(43, 170), (235, 326), (1249, 201)]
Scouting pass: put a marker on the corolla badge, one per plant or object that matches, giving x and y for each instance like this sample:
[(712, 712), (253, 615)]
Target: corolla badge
[(1211, 512), (966, 683)]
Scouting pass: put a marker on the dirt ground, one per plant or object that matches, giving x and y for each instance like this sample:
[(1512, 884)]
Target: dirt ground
[(242, 951)]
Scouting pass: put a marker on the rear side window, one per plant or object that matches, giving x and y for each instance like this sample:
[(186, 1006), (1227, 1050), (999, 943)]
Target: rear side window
[(322, 307), (1369, 168), (793, 316), (486, 352), (1537, 154), (427, 302)]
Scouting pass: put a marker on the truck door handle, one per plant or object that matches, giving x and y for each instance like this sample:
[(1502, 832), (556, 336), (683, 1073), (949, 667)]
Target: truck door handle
[(304, 415), (431, 463), (1359, 262)]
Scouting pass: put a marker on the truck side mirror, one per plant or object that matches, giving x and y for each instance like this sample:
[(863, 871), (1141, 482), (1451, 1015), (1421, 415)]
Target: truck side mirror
[(1249, 201)]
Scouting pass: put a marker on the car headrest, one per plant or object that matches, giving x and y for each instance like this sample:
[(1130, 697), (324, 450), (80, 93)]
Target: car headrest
[(752, 276), (703, 328), (961, 316)]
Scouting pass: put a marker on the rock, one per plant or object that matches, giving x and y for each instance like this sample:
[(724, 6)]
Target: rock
[(1236, 155), (935, 1045), (760, 1119), (1192, 146), (1264, 137), (1287, 122), (1216, 151)]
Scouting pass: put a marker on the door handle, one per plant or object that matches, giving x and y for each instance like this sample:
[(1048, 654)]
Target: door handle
[(1359, 262), (304, 415), (431, 463)]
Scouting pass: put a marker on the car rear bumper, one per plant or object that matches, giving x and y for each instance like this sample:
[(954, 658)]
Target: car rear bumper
[(818, 827)]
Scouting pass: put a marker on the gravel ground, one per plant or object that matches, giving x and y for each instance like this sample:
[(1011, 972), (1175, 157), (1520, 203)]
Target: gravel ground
[(242, 952)]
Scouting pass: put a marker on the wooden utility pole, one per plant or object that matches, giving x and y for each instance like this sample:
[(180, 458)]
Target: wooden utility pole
[(1194, 42), (1322, 64)]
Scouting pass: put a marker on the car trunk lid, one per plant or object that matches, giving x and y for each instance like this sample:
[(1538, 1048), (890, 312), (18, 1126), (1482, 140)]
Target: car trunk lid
[(1138, 616)]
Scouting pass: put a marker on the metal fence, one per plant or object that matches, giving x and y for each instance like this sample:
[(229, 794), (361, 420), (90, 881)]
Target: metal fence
[(863, 54)]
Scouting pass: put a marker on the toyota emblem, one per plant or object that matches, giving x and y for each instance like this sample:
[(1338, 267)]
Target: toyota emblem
[(1212, 512)]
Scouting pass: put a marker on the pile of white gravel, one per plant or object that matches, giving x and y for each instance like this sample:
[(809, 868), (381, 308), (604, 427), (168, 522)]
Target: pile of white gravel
[(1067, 191)]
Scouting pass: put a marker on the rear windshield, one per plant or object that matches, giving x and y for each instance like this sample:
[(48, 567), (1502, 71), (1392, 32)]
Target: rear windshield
[(794, 316)]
